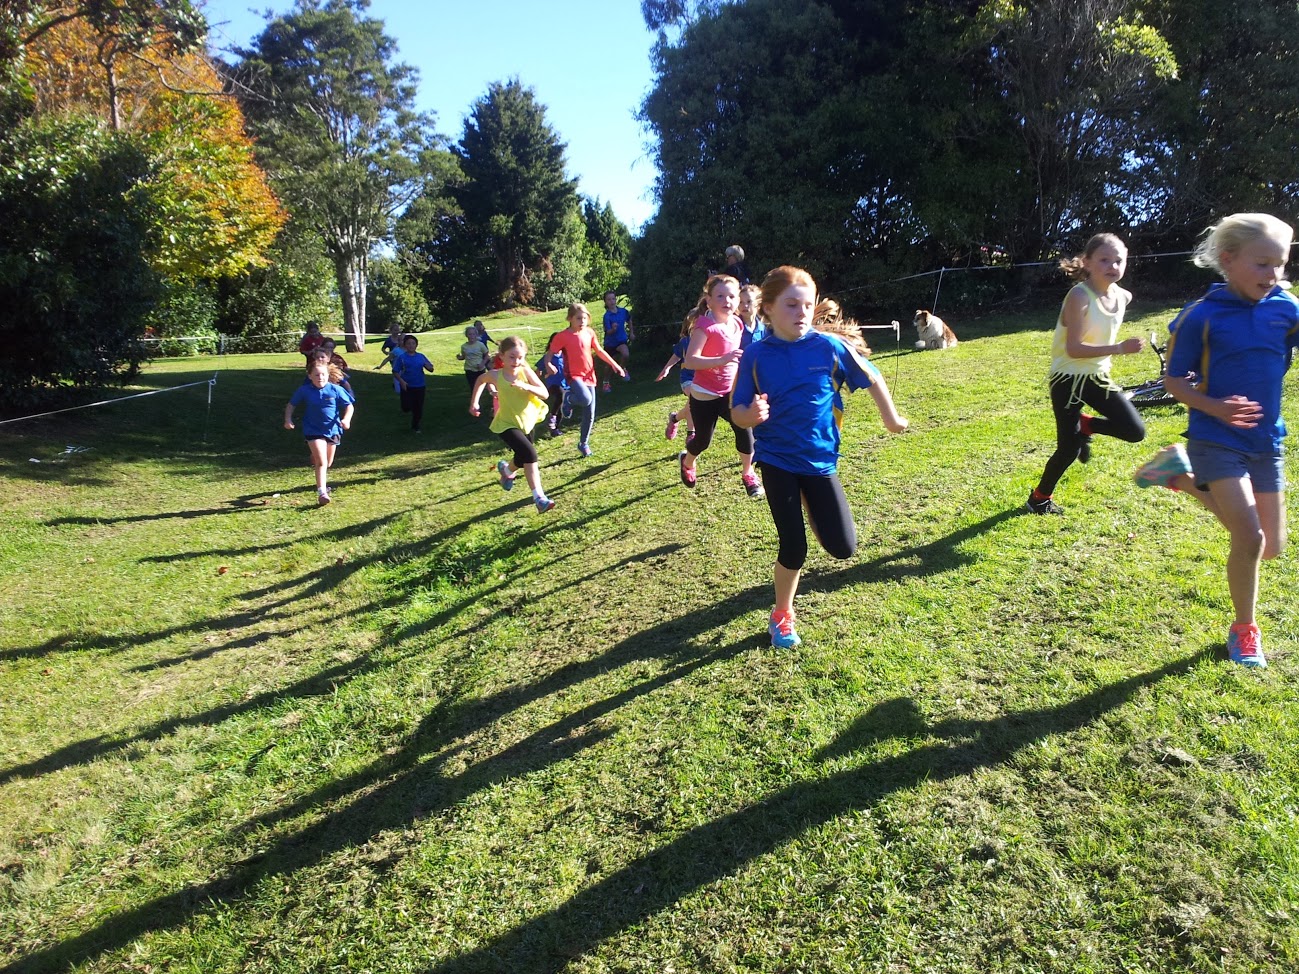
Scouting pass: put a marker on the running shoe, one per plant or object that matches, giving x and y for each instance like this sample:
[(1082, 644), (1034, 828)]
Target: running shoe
[(1161, 469), (752, 487), (607, 387), (1043, 506), (1245, 645), (584, 449), (544, 504), (323, 497), (671, 431), (781, 628), (688, 475), (566, 409), (507, 478)]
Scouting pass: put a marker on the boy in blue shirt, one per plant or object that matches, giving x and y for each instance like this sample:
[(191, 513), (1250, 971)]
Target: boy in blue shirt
[(618, 334)]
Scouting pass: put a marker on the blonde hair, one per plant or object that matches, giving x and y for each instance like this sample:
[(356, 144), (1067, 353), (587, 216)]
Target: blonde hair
[(828, 317), (1073, 267), (511, 342), (1231, 233), (574, 308)]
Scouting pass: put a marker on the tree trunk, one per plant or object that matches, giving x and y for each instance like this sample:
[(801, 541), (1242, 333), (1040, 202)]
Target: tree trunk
[(350, 275)]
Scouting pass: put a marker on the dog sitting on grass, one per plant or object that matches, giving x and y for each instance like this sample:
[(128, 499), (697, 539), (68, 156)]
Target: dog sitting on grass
[(932, 331)]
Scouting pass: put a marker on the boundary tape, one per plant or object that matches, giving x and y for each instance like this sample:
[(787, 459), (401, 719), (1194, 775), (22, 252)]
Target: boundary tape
[(210, 383)]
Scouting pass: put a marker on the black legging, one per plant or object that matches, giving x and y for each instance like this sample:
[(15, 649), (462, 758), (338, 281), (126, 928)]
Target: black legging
[(412, 401), (706, 413), (520, 443), (1116, 417), (827, 509)]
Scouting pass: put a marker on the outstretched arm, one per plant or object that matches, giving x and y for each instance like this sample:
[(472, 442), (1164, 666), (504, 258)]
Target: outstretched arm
[(476, 393), (893, 422)]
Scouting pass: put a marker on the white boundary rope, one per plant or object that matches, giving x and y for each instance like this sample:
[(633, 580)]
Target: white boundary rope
[(108, 402)]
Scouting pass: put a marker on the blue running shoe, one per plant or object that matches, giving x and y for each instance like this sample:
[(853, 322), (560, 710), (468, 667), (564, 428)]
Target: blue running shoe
[(544, 504), (507, 478), (1245, 645), (781, 628), (584, 449)]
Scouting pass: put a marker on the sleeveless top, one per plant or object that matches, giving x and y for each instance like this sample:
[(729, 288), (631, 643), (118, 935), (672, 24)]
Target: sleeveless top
[(519, 409), (1099, 327)]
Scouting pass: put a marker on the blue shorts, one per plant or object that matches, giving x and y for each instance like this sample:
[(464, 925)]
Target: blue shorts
[(1210, 462)]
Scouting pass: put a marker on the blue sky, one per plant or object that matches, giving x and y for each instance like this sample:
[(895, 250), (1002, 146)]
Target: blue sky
[(586, 60)]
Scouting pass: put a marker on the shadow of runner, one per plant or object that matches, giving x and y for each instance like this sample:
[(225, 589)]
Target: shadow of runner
[(400, 789), (551, 941)]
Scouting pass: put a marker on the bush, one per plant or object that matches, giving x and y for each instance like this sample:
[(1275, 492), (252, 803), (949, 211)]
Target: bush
[(74, 282)]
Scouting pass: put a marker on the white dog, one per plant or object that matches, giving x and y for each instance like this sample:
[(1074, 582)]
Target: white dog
[(933, 331)]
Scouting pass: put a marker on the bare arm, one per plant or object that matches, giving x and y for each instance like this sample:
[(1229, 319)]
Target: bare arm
[(476, 393), (893, 422), (1073, 313), (607, 358), (288, 416), (346, 420), (694, 360), (663, 372)]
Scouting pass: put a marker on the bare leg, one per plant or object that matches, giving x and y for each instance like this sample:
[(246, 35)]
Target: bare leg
[(532, 473), (320, 462), (1239, 514), (786, 587)]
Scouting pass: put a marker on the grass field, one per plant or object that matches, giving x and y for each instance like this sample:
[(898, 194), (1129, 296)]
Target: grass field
[(425, 729)]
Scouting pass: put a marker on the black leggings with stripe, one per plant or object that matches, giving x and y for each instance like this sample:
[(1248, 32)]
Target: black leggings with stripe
[(1116, 417)]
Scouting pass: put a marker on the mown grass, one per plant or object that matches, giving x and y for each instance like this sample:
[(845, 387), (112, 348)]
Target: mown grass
[(425, 729)]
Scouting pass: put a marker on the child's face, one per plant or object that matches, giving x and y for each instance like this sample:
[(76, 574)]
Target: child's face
[(410, 344), (1106, 265), (319, 376), (514, 357), (747, 305), (579, 319), (790, 315), (1254, 270), (610, 301), (471, 333), (723, 299)]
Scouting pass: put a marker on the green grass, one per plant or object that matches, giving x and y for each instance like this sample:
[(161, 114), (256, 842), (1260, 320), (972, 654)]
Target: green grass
[(425, 729)]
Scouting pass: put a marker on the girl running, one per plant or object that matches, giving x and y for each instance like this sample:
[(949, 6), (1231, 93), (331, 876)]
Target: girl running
[(580, 348), (327, 413), (681, 414), (714, 353), (521, 396), (1086, 338), (1240, 336), (787, 392)]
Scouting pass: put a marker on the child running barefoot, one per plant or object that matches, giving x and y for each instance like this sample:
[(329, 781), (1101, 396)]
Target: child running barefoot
[(578, 344), (1086, 338), (522, 398), (787, 391), (681, 414), (328, 412), (714, 353), (1240, 336)]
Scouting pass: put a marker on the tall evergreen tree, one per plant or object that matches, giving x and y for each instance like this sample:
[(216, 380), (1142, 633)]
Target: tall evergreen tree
[(338, 132), (515, 195)]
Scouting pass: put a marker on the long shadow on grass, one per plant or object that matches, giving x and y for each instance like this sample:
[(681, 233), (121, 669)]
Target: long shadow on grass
[(407, 786), (553, 940)]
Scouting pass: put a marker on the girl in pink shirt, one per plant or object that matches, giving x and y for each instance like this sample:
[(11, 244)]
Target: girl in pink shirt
[(714, 353)]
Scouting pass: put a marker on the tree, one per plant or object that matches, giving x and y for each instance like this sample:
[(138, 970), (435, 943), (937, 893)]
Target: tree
[(514, 195), (336, 128), (397, 297), (124, 30), (608, 248), (75, 222)]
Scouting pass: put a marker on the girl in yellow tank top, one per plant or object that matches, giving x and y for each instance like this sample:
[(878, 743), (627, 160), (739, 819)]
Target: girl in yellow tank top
[(1084, 344), (521, 396)]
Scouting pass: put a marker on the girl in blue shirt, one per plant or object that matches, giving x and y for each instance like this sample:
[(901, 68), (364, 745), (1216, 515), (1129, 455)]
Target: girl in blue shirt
[(410, 376), (327, 413), (787, 392), (1226, 358)]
